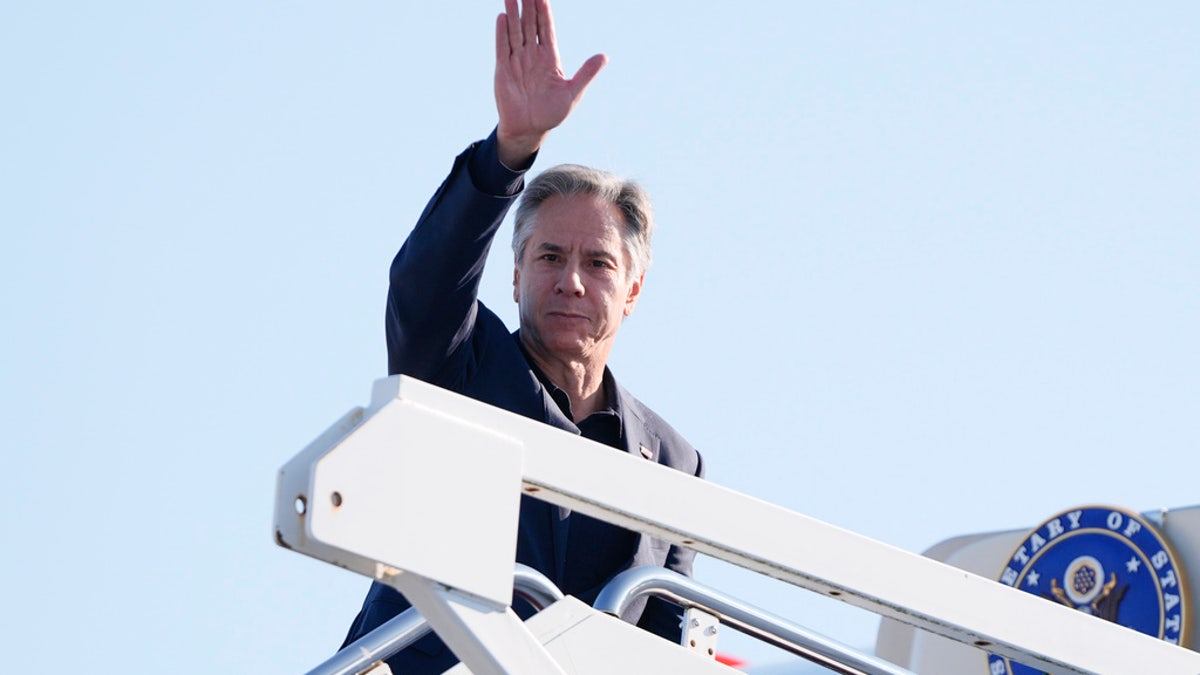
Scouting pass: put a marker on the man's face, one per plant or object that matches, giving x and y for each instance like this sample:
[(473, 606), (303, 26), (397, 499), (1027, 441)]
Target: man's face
[(573, 283)]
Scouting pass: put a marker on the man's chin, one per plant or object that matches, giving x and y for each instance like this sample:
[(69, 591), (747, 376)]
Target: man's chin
[(570, 347)]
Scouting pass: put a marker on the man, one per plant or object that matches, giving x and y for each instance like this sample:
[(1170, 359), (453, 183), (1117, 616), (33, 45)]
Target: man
[(581, 246)]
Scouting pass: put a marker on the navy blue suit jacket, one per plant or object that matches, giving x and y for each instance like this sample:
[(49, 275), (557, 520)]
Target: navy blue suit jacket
[(439, 332)]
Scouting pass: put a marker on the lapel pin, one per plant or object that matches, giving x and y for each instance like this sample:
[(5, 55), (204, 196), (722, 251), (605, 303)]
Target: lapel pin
[(646, 451)]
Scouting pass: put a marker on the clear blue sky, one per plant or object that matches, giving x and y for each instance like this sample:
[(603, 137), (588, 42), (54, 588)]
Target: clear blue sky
[(920, 270)]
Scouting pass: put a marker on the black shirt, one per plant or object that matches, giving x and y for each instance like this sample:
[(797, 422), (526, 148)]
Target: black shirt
[(606, 545)]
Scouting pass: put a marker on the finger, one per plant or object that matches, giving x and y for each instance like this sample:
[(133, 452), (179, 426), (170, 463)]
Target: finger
[(502, 47), (513, 18), (529, 13), (586, 73), (545, 24)]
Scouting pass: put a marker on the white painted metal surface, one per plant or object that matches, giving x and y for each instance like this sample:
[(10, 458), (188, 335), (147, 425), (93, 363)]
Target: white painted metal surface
[(491, 640), (587, 642), (700, 631), (567, 470), (399, 458), (409, 626)]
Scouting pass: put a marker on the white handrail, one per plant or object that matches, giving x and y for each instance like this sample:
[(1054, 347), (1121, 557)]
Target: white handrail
[(687, 593)]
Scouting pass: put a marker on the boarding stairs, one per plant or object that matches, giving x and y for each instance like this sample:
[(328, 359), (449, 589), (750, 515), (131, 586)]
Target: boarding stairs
[(345, 497)]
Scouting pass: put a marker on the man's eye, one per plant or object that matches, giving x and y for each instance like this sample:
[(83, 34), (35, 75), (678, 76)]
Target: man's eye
[(550, 257), (601, 264)]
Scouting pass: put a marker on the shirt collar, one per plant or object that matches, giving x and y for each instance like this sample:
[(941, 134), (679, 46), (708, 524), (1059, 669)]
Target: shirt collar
[(612, 402)]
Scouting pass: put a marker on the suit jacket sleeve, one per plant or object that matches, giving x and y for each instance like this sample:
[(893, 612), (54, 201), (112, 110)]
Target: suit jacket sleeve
[(431, 311), (434, 279)]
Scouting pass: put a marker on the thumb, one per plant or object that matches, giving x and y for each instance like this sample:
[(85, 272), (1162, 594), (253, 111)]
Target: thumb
[(586, 73)]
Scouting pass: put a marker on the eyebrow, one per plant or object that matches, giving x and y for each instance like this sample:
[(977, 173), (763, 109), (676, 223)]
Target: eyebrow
[(588, 253), (553, 248)]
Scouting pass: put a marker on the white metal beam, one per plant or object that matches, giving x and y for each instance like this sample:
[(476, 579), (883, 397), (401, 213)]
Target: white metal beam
[(490, 640), (564, 469), (400, 486)]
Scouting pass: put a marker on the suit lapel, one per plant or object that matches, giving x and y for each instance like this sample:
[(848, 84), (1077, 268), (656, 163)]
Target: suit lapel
[(639, 442)]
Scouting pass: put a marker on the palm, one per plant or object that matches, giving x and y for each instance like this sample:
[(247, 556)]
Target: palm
[(532, 94)]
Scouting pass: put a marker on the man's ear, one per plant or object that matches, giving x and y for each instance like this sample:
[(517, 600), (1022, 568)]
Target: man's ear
[(516, 283), (635, 290)]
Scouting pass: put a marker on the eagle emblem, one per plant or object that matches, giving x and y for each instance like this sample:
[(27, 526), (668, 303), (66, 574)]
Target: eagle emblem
[(1105, 561)]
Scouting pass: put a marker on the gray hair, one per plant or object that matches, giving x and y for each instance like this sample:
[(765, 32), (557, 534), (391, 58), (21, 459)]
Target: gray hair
[(565, 180)]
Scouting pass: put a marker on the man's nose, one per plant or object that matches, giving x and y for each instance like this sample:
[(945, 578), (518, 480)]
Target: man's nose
[(570, 281)]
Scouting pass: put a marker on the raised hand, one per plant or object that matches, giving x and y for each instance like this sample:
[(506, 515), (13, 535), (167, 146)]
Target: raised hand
[(532, 94)]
